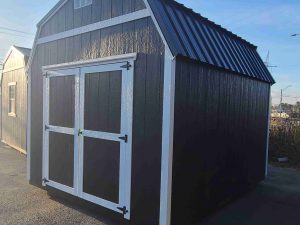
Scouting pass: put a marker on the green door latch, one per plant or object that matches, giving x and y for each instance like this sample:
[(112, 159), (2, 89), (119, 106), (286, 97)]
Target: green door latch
[(80, 132)]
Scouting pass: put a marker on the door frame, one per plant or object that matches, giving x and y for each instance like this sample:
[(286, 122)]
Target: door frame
[(127, 63)]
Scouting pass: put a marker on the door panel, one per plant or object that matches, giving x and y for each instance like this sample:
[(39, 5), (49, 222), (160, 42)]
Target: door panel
[(101, 168), (60, 113), (62, 101), (87, 133), (61, 158), (102, 109)]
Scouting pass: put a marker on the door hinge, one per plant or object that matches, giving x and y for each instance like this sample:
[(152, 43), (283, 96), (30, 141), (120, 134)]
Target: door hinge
[(47, 127), (45, 180), (123, 210), (45, 74), (125, 138), (127, 66)]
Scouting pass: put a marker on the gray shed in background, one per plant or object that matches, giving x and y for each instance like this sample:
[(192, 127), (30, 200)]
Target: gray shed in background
[(14, 98), (144, 110)]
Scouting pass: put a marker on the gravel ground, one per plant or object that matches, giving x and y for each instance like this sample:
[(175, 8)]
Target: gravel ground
[(21, 203)]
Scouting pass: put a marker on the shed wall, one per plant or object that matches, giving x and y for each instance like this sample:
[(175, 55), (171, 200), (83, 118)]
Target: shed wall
[(220, 140), (139, 36), (68, 18), (14, 128)]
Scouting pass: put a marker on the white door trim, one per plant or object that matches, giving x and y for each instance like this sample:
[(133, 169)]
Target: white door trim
[(127, 69), (131, 57)]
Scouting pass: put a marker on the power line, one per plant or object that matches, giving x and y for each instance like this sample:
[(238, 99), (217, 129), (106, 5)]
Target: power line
[(19, 31), (5, 33)]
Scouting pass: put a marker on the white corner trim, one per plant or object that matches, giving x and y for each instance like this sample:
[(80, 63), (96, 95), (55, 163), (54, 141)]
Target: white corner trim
[(96, 26), (91, 62), (268, 133), (167, 139), (28, 133)]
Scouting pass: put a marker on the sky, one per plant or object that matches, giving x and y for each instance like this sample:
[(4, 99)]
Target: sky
[(267, 24)]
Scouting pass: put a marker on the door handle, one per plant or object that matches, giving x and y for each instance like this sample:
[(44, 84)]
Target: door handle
[(125, 138), (80, 132)]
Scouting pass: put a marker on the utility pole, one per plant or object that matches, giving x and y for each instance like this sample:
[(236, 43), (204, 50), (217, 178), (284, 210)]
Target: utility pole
[(281, 98)]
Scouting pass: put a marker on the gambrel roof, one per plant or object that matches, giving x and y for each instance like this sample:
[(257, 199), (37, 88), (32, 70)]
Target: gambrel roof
[(191, 35)]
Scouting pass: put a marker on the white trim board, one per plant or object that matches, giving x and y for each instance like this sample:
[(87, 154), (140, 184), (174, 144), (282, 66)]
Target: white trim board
[(268, 133), (167, 140), (96, 26), (91, 62)]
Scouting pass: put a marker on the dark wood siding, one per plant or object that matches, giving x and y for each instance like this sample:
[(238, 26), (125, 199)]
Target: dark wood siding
[(14, 128), (219, 138), (139, 36), (67, 18)]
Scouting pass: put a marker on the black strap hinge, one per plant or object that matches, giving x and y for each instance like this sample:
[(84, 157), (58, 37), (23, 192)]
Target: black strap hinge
[(127, 66), (123, 210), (45, 74), (125, 138)]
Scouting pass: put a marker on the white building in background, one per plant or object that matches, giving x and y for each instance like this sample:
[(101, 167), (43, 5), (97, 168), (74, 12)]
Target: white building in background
[(280, 115)]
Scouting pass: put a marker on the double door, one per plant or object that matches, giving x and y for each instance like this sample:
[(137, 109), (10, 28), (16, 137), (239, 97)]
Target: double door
[(87, 115)]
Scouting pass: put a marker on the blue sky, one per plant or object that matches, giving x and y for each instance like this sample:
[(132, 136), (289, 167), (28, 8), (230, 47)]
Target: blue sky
[(266, 23)]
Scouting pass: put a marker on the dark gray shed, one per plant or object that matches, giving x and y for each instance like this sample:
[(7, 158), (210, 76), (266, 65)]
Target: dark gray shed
[(144, 110), (14, 98)]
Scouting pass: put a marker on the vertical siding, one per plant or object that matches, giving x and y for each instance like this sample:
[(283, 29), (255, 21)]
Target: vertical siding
[(219, 138), (14, 128), (138, 36), (68, 18)]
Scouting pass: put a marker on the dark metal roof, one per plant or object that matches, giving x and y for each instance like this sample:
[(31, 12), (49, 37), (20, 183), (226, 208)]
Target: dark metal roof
[(191, 35)]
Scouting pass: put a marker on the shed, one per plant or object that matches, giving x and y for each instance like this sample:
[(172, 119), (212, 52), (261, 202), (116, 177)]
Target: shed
[(145, 111), (14, 98)]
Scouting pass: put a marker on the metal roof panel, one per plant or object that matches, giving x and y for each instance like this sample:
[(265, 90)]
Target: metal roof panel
[(191, 35)]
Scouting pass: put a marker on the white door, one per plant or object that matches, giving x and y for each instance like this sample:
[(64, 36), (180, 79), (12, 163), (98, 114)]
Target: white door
[(100, 138)]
